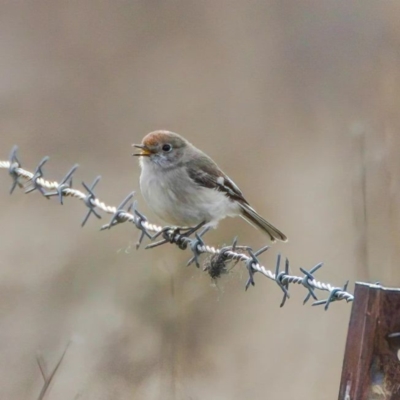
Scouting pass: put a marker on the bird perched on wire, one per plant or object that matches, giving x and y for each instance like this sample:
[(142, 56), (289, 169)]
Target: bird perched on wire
[(185, 187)]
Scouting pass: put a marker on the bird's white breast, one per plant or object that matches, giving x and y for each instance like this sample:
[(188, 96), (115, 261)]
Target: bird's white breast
[(178, 200)]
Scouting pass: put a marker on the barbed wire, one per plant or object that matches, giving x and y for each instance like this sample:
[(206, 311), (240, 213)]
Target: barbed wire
[(219, 258)]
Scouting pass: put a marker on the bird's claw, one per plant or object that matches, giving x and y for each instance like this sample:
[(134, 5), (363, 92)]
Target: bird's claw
[(174, 234)]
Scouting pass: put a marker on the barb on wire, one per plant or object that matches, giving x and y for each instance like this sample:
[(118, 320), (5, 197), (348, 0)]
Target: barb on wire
[(216, 265), (119, 215), (12, 169), (253, 260), (66, 183), (194, 247), (140, 220), (334, 295), (279, 276), (38, 174), (308, 277), (167, 232), (90, 200)]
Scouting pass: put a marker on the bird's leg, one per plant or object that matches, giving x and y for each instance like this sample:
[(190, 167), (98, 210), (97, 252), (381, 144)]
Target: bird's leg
[(190, 230), (169, 233), (179, 230)]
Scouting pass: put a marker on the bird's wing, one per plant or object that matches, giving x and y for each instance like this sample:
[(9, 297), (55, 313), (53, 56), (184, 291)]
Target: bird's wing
[(206, 173)]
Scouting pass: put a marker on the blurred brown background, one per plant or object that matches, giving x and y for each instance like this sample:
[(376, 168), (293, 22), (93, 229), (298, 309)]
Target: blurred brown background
[(297, 100)]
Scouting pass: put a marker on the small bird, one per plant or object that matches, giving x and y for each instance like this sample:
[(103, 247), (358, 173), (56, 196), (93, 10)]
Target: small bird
[(185, 187)]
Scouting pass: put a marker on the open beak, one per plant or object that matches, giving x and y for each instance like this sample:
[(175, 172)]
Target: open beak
[(145, 151)]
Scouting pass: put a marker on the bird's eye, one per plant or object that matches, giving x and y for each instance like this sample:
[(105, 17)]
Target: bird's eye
[(167, 148)]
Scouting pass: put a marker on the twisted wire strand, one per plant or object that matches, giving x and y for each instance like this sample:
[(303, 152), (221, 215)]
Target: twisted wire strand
[(70, 192), (221, 255)]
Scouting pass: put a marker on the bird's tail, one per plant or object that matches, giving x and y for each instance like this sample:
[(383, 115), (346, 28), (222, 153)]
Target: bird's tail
[(255, 219)]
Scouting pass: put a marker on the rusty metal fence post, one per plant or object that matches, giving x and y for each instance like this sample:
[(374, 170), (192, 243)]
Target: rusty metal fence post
[(371, 366)]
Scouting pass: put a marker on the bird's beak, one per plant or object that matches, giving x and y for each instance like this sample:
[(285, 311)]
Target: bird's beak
[(145, 151)]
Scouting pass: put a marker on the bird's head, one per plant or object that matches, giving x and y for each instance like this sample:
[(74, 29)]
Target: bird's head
[(163, 148)]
